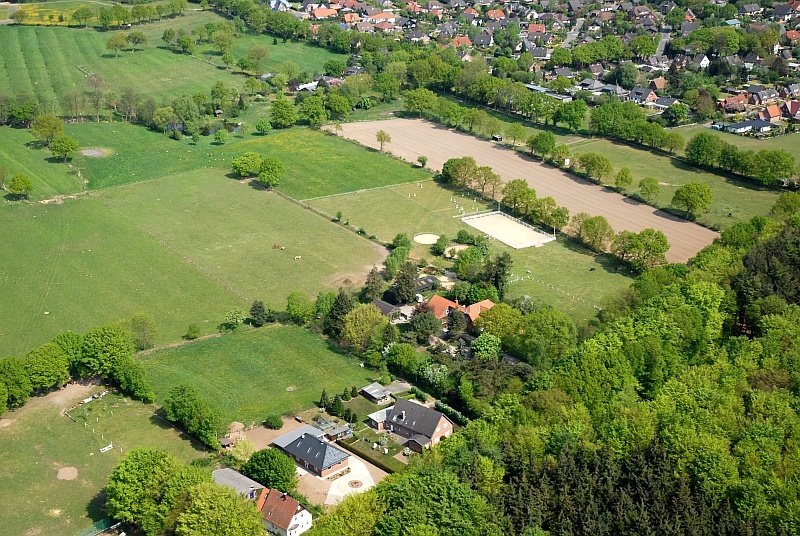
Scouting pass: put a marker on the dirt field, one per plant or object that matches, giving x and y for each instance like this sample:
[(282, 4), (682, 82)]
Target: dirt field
[(412, 138)]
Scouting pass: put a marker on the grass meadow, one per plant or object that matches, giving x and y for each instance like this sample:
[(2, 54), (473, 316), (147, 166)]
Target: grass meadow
[(227, 229), (37, 440), (79, 265), (47, 13), (50, 62), (733, 200), (49, 178), (562, 274), (250, 375)]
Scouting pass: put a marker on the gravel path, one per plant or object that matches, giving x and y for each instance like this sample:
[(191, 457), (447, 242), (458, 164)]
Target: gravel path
[(412, 138)]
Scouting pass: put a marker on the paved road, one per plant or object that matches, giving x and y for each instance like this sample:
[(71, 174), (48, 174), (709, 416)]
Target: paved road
[(413, 138), (571, 36), (662, 43)]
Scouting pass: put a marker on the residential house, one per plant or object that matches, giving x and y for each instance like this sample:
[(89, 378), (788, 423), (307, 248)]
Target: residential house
[(461, 41), (280, 5), (323, 13), (658, 84), (791, 110), (700, 61), (283, 515), (734, 103), (790, 91), (441, 306), (316, 455), (770, 113), (662, 103), (422, 426), (757, 125), (793, 37), (763, 97), (642, 95), (495, 14), (483, 39), (376, 393), (751, 10)]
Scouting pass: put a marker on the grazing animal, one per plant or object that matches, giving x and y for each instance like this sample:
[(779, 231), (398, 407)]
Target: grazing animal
[(298, 258)]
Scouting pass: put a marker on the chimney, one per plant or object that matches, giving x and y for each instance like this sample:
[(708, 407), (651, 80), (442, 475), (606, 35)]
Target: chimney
[(403, 415)]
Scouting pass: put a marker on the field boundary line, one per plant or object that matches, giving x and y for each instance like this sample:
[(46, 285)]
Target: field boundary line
[(374, 188)]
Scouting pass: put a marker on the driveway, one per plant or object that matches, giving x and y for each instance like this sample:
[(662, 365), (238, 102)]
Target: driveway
[(362, 476), (572, 35)]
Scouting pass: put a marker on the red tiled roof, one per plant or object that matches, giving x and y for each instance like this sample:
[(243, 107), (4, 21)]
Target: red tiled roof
[(793, 35), (472, 311), (324, 13), (440, 306), (534, 28), (462, 41), (279, 508), (495, 14)]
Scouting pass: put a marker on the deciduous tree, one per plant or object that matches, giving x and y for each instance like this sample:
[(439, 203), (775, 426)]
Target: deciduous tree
[(273, 469)]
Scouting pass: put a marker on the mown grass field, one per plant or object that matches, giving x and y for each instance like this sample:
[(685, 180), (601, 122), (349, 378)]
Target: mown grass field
[(51, 62), (49, 178), (316, 163), (36, 441), (226, 229), (562, 274), (319, 164), (734, 200), (79, 265), (789, 142), (48, 13), (250, 375)]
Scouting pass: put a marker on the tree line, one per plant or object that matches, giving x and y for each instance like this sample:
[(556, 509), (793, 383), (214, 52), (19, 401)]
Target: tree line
[(765, 167)]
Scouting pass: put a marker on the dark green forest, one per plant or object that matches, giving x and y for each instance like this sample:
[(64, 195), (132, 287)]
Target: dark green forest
[(676, 415)]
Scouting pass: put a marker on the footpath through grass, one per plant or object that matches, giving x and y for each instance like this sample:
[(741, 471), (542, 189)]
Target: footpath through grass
[(37, 441), (250, 375)]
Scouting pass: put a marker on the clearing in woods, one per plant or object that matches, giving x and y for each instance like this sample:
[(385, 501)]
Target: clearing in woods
[(275, 370), (51, 468)]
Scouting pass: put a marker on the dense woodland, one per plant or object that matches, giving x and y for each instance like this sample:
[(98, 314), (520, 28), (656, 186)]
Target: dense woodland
[(677, 415)]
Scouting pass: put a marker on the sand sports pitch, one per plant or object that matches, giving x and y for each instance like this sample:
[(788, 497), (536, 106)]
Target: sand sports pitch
[(413, 138), (508, 230)]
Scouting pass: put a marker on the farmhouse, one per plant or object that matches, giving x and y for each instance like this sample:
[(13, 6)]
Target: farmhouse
[(238, 482), (441, 308), (316, 456), (422, 426), (376, 393)]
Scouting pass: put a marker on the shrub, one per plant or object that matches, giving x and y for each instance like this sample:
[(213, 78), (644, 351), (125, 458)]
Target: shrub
[(273, 422)]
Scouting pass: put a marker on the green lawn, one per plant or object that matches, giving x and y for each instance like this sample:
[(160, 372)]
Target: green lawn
[(252, 374), (78, 265), (48, 12), (38, 441), (50, 62), (226, 229), (734, 200), (49, 178), (135, 154), (316, 163), (562, 274), (319, 164), (789, 142)]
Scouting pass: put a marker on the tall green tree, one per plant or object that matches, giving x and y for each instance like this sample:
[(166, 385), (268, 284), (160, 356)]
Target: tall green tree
[(218, 510), (333, 324), (273, 469), (693, 197)]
